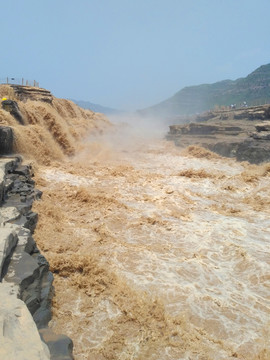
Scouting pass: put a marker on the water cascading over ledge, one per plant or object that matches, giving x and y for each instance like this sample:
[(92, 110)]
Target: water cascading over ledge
[(26, 288)]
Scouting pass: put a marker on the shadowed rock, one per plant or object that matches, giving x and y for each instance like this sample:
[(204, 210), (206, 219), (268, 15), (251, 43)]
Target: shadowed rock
[(8, 242), (229, 133), (25, 93), (12, 107), (60, 345), (6, 140)]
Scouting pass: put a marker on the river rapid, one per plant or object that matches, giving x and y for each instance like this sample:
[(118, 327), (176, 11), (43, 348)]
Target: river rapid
[(157, 252)]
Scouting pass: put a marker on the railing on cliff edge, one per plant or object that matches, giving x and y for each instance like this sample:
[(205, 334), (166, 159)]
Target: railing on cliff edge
[(19, 81)]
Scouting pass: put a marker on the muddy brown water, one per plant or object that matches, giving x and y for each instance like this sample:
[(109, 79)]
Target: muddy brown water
[(157, 253)]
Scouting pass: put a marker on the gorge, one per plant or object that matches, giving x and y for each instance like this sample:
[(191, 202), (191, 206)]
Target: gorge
[(157, 251)]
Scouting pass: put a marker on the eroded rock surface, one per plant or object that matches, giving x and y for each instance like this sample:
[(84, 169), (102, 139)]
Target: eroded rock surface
[(25, 93), (19, 337), (26, 282), (242, 133)]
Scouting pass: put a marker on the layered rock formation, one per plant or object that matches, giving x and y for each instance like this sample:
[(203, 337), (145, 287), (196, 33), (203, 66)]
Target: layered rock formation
[(26, 282), (242, 133), (24, 93)]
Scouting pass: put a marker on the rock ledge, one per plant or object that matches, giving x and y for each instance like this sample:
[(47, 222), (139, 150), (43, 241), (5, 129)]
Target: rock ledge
[(26, 289), (242, 134)]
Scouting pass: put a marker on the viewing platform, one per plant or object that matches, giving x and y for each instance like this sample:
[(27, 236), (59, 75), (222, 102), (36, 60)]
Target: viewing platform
[(27, 89)]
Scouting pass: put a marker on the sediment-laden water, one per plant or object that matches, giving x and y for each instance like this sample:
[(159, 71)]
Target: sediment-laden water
[(157, 253)]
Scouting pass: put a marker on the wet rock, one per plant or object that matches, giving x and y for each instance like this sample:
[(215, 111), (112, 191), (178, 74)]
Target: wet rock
[(43, 314), (31, 221), (227, 149), (8, 241), (6, 165), (12, 107), (60, 346), (27, 268), (6, 140), (25, 170), (22, 267), (253, 151)]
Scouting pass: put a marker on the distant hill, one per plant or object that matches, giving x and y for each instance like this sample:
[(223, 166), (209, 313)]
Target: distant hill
[(253, 89), (96, 108)]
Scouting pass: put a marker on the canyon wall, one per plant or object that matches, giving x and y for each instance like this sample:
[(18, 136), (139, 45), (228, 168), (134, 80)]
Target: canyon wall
[(243, 134)]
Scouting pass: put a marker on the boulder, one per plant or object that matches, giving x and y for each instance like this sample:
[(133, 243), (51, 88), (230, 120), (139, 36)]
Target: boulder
[(19, 337), (60, 346)]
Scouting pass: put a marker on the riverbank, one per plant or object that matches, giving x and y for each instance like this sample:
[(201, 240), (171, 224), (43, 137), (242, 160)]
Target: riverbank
[(243, 134), (26, 282)]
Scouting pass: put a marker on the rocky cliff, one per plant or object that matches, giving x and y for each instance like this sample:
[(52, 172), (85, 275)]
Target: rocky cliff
[(42, 129), (242, 133), (26, 282)]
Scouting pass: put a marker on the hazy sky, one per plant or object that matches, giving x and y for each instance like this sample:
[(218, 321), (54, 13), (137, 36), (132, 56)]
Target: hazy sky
[(130, 54)]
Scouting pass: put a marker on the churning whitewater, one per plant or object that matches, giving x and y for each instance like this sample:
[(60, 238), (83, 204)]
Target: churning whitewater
[(157, 253)]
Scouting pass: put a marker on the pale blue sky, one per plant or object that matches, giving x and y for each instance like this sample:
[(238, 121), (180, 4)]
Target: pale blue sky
[(130, 54)]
